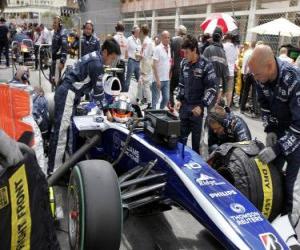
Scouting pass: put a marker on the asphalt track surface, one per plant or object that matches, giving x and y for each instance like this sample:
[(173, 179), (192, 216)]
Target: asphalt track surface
[(171, 230)]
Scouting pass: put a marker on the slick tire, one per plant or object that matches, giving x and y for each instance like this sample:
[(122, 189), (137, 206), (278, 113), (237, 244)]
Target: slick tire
[(94, 206), (243, 172)]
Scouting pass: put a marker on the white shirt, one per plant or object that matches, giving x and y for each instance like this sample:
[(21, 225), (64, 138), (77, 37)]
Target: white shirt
[(247, 55), (146, 62), (285, 58), (231, 52), (123, 43), (134, 47), (164, 62)]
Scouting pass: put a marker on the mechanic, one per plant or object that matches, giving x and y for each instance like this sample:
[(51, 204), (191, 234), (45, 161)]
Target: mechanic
[(225, 127), (79, 81), (197, 90), (89, 42), (59, 50), (279, 95)]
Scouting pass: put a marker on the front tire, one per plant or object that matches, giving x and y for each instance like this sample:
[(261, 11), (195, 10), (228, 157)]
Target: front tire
[(94, 206)]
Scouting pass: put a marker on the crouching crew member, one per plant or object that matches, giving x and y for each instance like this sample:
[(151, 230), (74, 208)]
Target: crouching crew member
[(86, 74), (279, 96), (225, 127), (197, 90)]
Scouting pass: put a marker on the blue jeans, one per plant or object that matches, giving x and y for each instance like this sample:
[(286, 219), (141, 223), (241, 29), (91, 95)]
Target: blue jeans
[(132, 67), (165, 91)]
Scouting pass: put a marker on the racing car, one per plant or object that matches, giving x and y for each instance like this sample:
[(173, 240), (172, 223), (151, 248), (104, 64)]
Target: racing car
[(122, 167)]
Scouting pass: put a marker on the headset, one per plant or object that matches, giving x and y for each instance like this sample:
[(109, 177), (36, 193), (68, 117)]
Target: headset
[(89, 22)]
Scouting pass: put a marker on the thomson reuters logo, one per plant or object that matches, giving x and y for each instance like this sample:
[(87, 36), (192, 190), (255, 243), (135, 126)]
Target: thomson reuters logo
[(237, 208)]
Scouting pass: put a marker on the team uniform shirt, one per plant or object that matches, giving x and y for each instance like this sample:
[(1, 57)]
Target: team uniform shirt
[(60, 45), (123, 43), (89, 44), (280, 106), (197, 84), (162, 55), (134, 47)]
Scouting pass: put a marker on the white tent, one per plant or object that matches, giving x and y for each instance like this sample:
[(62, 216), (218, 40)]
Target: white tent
[(277, 27)]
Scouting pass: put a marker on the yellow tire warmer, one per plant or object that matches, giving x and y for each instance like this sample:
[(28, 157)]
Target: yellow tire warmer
[(25, 218)]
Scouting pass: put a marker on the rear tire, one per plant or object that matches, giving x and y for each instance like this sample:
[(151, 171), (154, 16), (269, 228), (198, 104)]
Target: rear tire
[(94, 206)]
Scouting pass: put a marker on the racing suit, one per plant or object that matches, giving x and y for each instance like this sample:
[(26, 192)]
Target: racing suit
[(235, 130), (59, 53), (79, 81), (89, 44), (197, 87), (280, 107)]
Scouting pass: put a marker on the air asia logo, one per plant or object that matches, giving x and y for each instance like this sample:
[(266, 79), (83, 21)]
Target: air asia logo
[(237, 208), (270, 242)]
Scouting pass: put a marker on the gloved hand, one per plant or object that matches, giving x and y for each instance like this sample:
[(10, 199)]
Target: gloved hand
[(267, 155), (10, 154), (271, 139)]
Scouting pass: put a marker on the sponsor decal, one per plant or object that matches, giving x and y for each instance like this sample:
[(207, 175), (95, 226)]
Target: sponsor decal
[(192, 165), (270, 241), (4, 201), (20, 210), (267, 186), (222, 194), (237, 208), (244, 218), (206, 180), (131, 152)]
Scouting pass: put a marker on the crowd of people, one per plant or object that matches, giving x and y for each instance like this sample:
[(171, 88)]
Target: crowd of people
[(187, 75)]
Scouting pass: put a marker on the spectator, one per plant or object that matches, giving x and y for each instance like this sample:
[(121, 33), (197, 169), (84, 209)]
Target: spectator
[(216, 55), (4, 43), (134, 56), (45, 39), (144, 92), (205, 42), (156, 41), (177, 56), (283, 55), (37, 40), (248, 81), (231, 52), (123, 43), (161, 71), (297, 63)]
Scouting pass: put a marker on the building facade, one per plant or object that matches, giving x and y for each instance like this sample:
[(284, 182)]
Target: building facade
[(168, 14)]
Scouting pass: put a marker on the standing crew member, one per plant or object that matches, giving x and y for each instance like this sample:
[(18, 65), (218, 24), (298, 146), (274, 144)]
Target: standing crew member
[(197, 90), (59, 50), (87, 72), (89, 42), (279, 95)]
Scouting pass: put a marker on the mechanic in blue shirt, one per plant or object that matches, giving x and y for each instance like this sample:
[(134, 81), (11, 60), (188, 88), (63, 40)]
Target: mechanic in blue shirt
[(197, 90), (279, 96), (89, 43), (59, 50), (225, 127), (86, 74)]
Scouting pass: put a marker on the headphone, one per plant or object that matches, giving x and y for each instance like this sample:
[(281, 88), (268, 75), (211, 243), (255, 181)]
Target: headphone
[(89, 22)]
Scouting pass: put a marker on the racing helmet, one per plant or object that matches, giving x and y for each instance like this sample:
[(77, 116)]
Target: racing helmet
[(121, 109), (111, 85)]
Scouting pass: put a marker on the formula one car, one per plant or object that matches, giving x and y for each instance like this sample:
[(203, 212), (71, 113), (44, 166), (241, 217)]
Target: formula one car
[(123, 167)]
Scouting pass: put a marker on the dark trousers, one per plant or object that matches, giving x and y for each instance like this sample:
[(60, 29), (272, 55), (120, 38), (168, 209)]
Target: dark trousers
[(291, 184), (191, 124), (133, 67), (247, 84), (173, 85), (36, 54), (4, 46)]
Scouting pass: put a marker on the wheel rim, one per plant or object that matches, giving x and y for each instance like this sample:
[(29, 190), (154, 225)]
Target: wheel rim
[(74, 218)]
